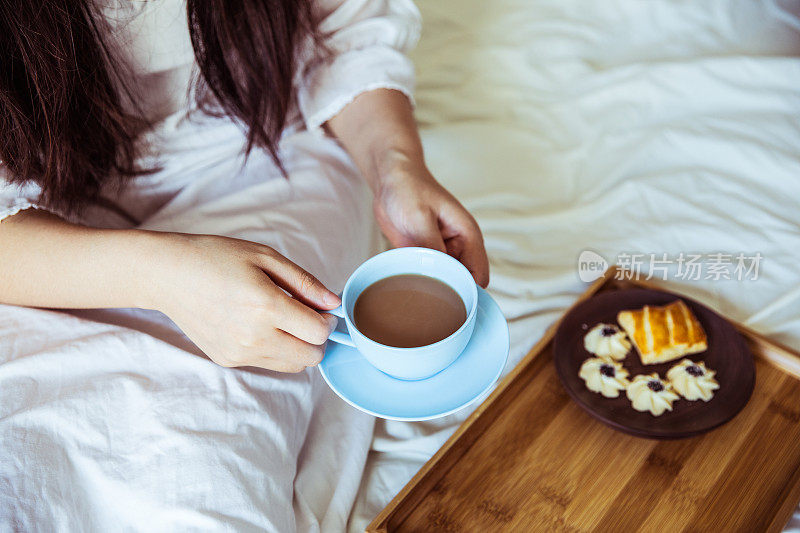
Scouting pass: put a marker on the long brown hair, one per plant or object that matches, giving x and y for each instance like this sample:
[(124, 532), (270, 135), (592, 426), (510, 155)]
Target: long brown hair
[(63, 124)]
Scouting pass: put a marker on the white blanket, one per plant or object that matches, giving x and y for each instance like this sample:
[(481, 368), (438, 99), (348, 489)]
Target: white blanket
[(616, 126)]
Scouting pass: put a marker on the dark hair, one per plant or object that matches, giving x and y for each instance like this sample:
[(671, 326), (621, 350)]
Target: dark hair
[(63, 123)]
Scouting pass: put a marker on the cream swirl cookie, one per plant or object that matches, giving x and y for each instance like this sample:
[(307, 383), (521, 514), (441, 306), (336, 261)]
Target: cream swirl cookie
[(604, 376), (607, 340), (693, 380), (651, 393)]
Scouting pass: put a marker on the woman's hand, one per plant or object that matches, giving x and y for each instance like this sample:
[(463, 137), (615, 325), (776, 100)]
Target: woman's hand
[(413, 209), (225, 294), (379, 132)]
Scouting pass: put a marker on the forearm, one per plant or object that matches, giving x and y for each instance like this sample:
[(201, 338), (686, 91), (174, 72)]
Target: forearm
[(47, 262), (379, 132)]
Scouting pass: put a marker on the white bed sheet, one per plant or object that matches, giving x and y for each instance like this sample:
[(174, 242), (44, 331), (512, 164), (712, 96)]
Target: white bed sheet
[(616, 126)]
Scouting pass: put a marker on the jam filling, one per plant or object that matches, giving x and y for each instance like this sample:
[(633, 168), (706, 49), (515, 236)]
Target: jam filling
[(607, 370), (609, 331), (694, 370), (655, 386)]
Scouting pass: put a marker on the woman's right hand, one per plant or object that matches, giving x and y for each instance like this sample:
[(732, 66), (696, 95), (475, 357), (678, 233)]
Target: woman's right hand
[(226, 295)]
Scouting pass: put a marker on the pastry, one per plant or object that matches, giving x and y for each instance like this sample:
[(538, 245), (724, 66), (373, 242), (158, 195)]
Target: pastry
[(607, 340), (663, 333), (693, 380), (651, 393), (604, 376)]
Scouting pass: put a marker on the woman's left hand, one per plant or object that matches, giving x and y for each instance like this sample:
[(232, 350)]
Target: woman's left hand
[(379, 132), (413, 209)]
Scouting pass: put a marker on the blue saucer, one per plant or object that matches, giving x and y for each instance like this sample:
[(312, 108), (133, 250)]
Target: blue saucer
[(474, 372)]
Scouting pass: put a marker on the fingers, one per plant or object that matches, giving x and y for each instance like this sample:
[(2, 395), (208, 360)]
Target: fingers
[(465, 243), (446, 227), (428, 234), (475, 259), (420, 228), (283, 353), (279, 365), (296, 281), (293, 351), (299, 320)]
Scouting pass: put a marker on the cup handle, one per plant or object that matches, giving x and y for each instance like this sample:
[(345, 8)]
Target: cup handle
[(340, 337)]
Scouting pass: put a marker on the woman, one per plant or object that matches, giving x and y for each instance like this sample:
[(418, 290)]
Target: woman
[(200, 169)]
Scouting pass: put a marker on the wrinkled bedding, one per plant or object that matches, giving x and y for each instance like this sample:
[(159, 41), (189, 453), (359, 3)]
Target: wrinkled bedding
[(619, 127)]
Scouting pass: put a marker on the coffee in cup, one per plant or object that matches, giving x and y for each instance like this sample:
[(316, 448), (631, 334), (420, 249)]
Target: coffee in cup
[(408, 311)]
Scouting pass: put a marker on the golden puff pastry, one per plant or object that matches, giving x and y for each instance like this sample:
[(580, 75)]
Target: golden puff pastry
[(604, 376), (663, 333), (607, 340), (651, 393), (693, 380)]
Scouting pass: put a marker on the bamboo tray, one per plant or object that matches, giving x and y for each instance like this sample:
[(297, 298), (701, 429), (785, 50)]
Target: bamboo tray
[(530, 459)]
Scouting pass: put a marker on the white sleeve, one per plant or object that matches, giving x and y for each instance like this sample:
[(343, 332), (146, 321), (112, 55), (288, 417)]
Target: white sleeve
[(15, 198), (367, 40)]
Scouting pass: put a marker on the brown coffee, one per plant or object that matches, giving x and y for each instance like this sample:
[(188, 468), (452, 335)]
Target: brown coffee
[(408, 311)]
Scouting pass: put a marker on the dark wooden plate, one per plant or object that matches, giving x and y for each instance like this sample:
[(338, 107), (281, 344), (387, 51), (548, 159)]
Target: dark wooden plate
[(727, 354)]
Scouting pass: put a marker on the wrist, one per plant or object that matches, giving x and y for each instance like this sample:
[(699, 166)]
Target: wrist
[(396, 164), (150, 256)]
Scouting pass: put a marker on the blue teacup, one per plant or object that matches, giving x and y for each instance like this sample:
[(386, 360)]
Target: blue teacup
[(408, 363)]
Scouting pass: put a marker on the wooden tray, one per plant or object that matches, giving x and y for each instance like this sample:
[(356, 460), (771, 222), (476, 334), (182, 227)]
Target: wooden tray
[(530, 459)]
